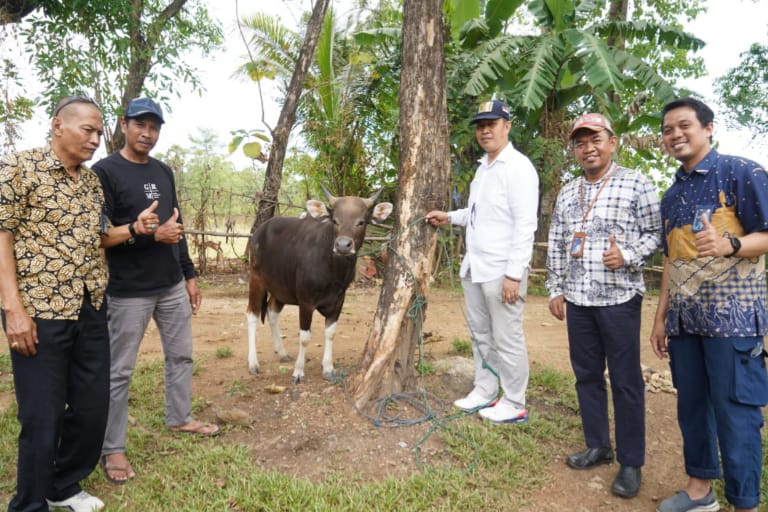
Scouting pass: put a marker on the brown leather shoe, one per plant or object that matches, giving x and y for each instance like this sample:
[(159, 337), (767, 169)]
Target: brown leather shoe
[(590, 457)]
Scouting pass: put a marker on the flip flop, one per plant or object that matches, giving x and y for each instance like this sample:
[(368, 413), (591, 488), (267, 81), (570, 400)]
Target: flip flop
[(107, 467), (198, 429)]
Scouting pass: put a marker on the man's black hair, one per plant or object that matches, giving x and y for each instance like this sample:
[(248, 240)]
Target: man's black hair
[(703, 113)]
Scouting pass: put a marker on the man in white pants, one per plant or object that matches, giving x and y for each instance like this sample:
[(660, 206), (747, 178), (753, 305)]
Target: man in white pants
[(500, 220)]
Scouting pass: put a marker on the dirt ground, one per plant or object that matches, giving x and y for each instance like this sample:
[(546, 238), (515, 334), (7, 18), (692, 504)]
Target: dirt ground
[(311, 429)]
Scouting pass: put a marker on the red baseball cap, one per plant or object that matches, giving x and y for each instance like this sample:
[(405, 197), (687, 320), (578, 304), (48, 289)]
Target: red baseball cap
[(593, 122)]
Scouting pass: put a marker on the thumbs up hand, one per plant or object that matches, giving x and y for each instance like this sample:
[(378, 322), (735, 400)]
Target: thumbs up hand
[(171, 231), (612, 257), (709, 242), (147, 221)]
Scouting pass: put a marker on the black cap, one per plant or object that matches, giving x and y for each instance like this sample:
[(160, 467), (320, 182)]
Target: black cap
[(494, 109), (141, 106)]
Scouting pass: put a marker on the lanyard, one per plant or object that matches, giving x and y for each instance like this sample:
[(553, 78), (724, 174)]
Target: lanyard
[(594, 199)]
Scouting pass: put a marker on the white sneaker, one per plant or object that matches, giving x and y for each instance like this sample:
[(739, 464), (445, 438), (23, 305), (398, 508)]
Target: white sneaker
[(505, 413), (474, 401), (80, 502)]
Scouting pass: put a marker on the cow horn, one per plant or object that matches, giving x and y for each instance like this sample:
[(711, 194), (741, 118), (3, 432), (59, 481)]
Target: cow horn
[(369, 202), (331, 198)]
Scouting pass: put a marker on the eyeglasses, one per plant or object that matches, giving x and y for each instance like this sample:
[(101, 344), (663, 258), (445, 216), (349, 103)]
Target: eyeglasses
[(68, 100), (596, 140)]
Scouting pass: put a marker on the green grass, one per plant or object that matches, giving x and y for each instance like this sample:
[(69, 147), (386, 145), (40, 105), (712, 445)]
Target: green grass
[(217, 475), (223, 353), (489, 464), (462, 347)]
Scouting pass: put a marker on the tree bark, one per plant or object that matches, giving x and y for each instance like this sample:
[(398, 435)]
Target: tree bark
[(274, 173), (388, 359)]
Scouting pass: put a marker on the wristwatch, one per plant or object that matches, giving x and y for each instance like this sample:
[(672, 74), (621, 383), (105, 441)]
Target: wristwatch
[(736, 244), (133, 233)]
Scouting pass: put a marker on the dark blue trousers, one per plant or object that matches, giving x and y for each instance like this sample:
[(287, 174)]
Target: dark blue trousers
[(609, 334), (63, 398), (721, 386)]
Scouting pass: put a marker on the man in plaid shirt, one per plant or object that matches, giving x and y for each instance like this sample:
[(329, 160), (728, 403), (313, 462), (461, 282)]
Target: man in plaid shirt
[(604, 226)]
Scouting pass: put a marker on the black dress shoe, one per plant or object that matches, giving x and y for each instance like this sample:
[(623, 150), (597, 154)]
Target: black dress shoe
[(590, 457), (627, 482)]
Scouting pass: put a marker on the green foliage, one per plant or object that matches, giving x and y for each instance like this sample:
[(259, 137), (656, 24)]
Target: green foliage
[(14, 108), (462, 347), (424, 368), (106, 49), (743, 90), (223, 353), (348, 110)]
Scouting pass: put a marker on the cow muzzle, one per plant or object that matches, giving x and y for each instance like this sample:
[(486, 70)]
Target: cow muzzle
[(344, 245)]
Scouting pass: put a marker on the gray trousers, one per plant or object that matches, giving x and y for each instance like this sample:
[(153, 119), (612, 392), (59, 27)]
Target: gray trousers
[(128, 320), (498, 340)]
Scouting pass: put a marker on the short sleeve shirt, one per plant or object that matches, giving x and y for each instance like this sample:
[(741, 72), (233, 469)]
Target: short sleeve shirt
[(56, 222), (716, 296)]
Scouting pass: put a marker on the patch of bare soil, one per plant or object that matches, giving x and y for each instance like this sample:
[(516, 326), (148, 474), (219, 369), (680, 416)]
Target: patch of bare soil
[(310, 430)]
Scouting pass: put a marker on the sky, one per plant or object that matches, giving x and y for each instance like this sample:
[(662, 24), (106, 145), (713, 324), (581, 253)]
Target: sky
[(230, 103)]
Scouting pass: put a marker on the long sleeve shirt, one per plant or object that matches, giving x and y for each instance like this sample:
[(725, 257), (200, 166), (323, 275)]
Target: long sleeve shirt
[(500, 218), (627, 208)]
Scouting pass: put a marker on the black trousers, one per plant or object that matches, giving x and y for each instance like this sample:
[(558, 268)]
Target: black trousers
[(611, 334), (63, 398)]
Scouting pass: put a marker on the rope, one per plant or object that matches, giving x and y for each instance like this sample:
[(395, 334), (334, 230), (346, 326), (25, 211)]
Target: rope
[(390, 411)]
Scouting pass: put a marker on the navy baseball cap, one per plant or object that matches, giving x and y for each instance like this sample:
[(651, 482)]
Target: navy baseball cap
[(494, 109), (141, 106)]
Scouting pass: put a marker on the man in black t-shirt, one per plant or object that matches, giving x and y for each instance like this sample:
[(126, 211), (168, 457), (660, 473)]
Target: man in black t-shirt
[(151, 276)]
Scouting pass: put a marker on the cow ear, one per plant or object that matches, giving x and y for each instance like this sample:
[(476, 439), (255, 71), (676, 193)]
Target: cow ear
[(380, 212), (317, 208)]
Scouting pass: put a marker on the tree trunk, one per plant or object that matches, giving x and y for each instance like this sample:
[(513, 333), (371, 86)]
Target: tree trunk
[(274, 175), (144, 40), (388, 359)]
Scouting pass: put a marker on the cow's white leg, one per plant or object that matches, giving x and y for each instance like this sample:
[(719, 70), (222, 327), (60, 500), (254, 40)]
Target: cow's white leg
[(330, 332), (277, 341), (298, 370), (253, 359)]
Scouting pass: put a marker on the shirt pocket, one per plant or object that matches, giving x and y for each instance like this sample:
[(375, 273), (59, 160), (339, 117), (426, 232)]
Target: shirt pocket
[(750, 380)]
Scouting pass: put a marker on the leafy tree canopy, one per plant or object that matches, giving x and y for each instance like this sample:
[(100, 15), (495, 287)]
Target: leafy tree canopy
[(743, 90)]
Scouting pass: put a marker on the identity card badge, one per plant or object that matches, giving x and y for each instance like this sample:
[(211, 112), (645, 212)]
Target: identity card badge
[(697, 225), (577, 244)]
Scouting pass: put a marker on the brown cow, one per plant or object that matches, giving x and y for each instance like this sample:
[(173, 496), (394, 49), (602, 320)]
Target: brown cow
[(308, 262)]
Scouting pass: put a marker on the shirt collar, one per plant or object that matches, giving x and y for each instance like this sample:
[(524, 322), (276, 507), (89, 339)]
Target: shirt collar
[(50, 160), (504, 156), (703, 167)]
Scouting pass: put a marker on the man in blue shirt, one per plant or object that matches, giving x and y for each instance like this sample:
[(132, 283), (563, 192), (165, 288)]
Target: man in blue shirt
[(712, 310)]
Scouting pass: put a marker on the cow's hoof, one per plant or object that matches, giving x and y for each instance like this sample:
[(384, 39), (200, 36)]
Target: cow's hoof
[(330, 376), (253, 371), (298, 379), (286, 359)]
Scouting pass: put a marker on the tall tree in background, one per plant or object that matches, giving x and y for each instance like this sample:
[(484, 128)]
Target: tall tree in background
[(268, 200), (387, 365), (743, 90), (345, 111), (117, 50)]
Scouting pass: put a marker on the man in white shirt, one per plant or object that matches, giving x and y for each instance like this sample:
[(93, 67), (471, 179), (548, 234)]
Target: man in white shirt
[(500, 221)]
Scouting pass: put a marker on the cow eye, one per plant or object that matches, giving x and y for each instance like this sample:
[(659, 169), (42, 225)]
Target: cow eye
[(361, 223), (335, 222)]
